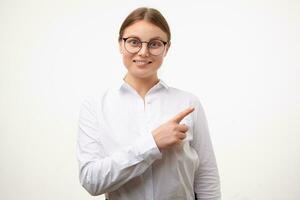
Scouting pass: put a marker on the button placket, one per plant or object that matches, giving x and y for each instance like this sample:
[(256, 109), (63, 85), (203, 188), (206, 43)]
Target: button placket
[(146, 118)]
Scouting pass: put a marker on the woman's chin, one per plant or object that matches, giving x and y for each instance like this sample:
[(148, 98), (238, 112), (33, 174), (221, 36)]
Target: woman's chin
[(142, 74)]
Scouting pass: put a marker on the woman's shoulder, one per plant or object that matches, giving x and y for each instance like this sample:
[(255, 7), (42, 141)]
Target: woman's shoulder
[(94, 97), (181, 93)]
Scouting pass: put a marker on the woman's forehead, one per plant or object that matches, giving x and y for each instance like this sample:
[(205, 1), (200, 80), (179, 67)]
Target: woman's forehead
[(138, 37), (145, 31)]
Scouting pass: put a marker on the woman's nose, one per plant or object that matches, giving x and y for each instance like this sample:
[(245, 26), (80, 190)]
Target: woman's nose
[(144, 51)]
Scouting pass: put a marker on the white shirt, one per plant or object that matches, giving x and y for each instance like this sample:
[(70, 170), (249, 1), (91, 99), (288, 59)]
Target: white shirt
[(117, 153)]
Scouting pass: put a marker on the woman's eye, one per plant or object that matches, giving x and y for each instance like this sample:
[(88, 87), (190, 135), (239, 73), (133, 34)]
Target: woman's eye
[(155, 44), (134, 42)]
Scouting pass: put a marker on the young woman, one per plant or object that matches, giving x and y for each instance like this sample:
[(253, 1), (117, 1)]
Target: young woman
[(143, 139)]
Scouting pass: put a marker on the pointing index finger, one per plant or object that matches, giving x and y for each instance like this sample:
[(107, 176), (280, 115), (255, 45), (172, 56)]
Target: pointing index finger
[(182, 115)]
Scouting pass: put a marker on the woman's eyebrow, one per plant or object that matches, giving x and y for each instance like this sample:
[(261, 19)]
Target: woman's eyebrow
[(157, 37)]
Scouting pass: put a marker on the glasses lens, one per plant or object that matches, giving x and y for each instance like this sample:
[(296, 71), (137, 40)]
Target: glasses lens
[(133, 45), (156, 47)]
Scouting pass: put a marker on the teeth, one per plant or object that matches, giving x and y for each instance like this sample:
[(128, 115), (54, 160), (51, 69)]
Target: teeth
[(141, 62)]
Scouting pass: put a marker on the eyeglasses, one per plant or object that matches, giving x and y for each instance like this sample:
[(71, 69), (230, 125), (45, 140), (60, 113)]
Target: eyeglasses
[(134, 45)]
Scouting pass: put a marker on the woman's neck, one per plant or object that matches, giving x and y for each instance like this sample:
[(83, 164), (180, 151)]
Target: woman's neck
[(141, 85)]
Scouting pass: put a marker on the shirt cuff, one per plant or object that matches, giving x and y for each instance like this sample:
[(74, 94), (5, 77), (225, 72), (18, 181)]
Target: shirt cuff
[(146, 148)]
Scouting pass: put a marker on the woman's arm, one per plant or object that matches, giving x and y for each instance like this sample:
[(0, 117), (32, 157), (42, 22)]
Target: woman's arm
[(207, 181), (100, 173)]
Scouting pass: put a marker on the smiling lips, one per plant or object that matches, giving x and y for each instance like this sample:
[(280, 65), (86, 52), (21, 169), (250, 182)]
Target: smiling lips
[(142, 62)]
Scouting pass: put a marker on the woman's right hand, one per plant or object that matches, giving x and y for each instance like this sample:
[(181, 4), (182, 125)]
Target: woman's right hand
[(171, 132)]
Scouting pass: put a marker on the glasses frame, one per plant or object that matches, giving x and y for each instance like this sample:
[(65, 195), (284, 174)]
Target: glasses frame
[(164, 42)]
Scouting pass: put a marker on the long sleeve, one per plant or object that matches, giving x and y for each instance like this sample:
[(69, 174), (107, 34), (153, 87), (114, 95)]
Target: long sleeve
[(100, 173), (207, 181)]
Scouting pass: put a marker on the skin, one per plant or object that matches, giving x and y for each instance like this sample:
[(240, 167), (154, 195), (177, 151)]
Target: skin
[(171, 132), (143, 77)]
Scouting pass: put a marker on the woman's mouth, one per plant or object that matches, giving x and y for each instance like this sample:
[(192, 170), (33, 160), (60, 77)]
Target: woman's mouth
[(141, 62)]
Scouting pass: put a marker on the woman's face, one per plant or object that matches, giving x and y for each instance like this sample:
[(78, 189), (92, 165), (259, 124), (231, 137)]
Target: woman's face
[(143, 64)]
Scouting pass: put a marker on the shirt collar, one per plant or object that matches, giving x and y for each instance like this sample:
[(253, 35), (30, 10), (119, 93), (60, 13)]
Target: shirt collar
[(122, 84)]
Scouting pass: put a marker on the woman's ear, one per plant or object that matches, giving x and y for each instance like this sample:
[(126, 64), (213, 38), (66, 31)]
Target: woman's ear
[(120, 47), (167, 48)]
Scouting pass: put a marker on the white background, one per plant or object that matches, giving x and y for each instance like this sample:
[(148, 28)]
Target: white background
[(241, 58)]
